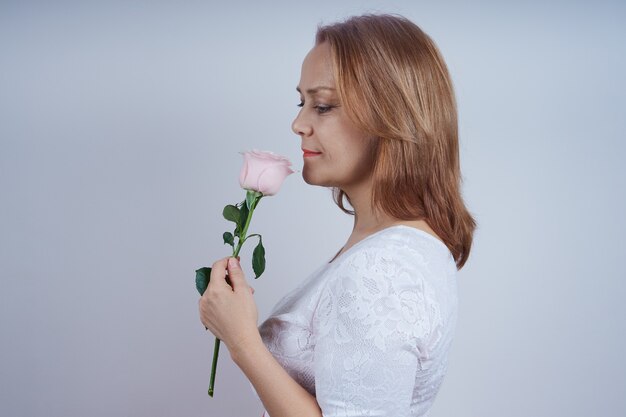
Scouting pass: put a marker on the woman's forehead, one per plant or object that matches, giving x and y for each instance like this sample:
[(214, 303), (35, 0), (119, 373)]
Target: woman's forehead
[(317, 70)]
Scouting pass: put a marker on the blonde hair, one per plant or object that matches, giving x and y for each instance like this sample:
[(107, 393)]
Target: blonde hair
[(394, 85)]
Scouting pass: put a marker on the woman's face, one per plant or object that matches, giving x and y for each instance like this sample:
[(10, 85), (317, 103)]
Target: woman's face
[(345, 154)]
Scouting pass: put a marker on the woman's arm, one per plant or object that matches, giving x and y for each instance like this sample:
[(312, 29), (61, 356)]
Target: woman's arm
[(280, 394)]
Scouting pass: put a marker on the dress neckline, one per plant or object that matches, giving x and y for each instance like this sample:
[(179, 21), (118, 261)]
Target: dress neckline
[(404, 226)]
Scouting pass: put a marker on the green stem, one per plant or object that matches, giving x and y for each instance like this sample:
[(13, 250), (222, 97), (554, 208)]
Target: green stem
[(216, 352), (253, 234), (245, 228), (216, 347)]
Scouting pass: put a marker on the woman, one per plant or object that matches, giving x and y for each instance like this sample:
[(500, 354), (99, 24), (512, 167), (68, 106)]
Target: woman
[(367, 333)]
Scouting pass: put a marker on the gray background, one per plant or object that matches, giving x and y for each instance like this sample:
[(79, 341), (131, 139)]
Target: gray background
[(120, 125)]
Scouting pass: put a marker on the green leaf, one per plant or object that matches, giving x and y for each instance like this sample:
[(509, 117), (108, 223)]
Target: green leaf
[(203, 276), (228, 238), (258, 259), (253, 198), (231, 213), (250, 197), (243, 212), (241, 220)]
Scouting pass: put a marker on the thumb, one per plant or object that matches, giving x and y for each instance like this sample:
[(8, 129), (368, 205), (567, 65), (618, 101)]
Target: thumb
[(235, 273)]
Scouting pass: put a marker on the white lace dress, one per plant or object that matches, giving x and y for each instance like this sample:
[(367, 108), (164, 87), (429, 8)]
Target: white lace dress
[(368, 334)]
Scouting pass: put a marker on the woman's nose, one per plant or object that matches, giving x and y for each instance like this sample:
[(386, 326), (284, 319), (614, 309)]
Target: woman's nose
[(300, 127)]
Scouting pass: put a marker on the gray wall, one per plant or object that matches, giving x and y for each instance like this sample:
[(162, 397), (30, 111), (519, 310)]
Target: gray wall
[(119, 131)]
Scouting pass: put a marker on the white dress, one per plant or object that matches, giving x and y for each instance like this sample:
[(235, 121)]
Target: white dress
[(368, 334)]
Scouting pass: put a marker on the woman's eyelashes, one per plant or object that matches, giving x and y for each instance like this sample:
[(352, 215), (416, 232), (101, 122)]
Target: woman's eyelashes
[(320, 108)]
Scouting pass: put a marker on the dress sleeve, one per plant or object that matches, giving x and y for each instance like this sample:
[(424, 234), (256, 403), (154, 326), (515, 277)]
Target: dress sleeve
[(373, 323)]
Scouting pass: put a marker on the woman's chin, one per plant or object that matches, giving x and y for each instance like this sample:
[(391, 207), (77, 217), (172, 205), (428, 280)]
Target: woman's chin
[(311, 179)]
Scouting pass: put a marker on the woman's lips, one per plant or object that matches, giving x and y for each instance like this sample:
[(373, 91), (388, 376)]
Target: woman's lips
[(310, 153)]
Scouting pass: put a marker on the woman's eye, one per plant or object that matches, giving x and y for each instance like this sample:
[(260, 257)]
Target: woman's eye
[(322, 109)]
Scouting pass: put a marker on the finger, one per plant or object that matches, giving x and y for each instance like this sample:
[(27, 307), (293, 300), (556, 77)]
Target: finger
[(200, 308), (218, 273), (236, 275)]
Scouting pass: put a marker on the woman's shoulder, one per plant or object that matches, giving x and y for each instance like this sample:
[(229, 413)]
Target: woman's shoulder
[(395, 269), (393, 251), (408, 233), (403, 241)]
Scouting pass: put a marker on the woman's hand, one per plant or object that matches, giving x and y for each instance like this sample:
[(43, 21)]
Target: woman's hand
[(230, 313)]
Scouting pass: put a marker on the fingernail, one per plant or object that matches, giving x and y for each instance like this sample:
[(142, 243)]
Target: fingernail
[(232, 262)]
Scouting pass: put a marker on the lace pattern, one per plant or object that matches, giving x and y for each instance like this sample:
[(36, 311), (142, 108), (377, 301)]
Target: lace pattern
[(369, 333)]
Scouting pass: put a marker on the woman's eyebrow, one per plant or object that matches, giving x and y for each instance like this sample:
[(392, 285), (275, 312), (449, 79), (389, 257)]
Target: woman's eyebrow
[(315, 89)]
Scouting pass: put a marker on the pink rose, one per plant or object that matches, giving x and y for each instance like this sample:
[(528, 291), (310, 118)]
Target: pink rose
[(263, 171)]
